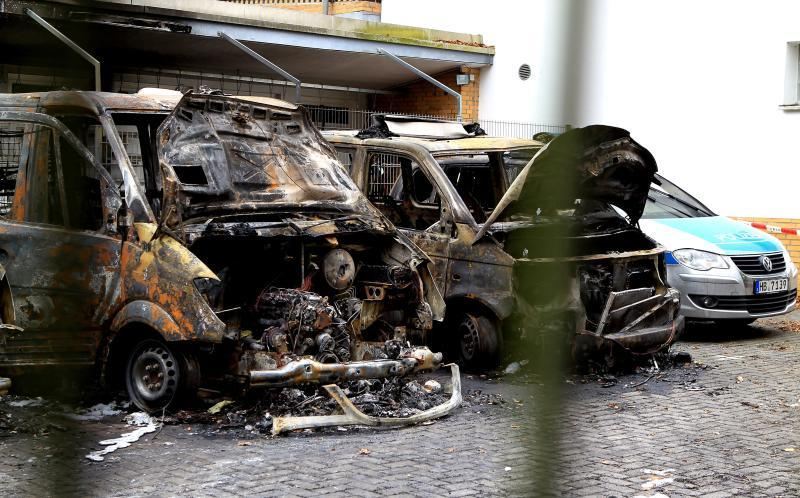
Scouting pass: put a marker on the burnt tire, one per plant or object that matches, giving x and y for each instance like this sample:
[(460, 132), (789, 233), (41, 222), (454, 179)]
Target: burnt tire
[(479, 341), (153, 375)]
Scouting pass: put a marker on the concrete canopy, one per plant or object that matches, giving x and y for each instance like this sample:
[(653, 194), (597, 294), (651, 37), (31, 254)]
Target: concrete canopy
[(341, 52)]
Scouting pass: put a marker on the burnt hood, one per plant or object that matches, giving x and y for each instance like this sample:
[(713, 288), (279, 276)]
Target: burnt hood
[(230, 155), (596, 165)]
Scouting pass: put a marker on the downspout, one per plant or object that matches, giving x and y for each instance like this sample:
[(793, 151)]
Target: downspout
[(263, 60), (426, 77), (325, 7), (71, 44)]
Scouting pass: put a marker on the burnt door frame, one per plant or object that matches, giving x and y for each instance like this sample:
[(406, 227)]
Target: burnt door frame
[(61, 278), (434, 243)]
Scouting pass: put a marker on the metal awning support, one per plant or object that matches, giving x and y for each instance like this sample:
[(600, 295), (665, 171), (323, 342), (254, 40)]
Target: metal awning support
[(424, 76), (71, 44), (260, 58)]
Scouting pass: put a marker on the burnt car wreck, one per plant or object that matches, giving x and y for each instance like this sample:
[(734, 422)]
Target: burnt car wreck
[(306, 266), (620, 299), (488, 211), (239, 255)]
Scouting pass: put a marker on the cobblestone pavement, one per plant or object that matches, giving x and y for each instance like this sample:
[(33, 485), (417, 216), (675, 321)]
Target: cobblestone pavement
[(730, 429)]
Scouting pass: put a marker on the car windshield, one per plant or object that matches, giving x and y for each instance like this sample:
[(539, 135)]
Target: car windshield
[(481, 178), (667, 200), (515, 160)]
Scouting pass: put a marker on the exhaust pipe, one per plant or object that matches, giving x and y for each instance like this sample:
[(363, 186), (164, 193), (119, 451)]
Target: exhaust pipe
[(310, 371)]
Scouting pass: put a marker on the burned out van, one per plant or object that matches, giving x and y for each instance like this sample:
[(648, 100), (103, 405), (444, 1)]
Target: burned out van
[(483, 207), (178, 243)]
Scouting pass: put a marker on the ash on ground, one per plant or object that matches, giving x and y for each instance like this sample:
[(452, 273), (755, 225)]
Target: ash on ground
[(668, 366), (659, 373), (37, 416)]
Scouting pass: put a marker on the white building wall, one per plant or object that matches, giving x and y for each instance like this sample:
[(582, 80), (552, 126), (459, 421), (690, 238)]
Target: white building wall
[(515, 37), (697, 82), (700, 84)]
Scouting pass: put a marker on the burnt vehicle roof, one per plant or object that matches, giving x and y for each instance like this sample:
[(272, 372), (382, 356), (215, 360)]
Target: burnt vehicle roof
[(236, 157), (92, 102), (434, 135), (146, 100), (432, 145)]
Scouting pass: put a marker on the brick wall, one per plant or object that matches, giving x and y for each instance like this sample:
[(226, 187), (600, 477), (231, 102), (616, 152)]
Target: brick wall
[(791, 242), (420, 97), (336, 7)]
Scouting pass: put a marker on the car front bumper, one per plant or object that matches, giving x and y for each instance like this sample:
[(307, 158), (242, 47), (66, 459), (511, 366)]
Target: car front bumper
[(651, 325), (733, 292)]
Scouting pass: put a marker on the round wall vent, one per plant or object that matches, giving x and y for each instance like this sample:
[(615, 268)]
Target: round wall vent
[(524, 72)]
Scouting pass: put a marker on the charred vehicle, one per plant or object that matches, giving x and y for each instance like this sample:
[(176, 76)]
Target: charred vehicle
[(232, 252), (450, 190)]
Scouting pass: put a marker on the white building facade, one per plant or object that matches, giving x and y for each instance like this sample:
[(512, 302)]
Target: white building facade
[(710, 87)]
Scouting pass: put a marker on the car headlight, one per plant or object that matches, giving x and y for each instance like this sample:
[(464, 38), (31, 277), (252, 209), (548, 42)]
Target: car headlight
[(699, 260), (788, 258)]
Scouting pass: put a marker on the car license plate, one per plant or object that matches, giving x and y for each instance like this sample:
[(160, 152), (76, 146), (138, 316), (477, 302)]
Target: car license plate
[(770, 286)]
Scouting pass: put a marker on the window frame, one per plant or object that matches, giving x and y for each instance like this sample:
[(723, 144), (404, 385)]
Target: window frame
[(442, 203), (110, 200)]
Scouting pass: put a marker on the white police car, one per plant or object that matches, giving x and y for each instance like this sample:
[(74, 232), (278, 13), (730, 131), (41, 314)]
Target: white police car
[(725, 269)]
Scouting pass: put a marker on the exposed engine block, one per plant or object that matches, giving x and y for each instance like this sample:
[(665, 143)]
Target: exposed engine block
[(302, 323)]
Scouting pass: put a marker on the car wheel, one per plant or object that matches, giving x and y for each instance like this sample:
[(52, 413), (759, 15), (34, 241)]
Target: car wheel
[(479, 341), (153, 375)]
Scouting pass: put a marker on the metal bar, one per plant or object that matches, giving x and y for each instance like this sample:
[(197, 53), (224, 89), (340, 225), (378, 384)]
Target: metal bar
[(424, 76), (71, 44), (133, 195), (353, 416), (60, 177), (263, 60)]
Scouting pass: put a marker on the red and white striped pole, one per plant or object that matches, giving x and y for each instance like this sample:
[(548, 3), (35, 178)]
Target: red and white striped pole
[(772, 228)]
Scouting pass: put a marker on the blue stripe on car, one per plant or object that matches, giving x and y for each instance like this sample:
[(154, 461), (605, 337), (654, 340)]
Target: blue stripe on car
[(670, 259), (731, 237)]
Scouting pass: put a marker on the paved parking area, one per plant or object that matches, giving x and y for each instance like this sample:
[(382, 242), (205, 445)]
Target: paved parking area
[(729, 429)]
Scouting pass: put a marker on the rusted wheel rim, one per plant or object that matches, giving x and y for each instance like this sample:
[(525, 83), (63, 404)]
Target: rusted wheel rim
[(154, 373), (470, 337)]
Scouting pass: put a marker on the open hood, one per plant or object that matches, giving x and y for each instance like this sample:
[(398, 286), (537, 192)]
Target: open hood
[(593, 166), (225, 155)]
